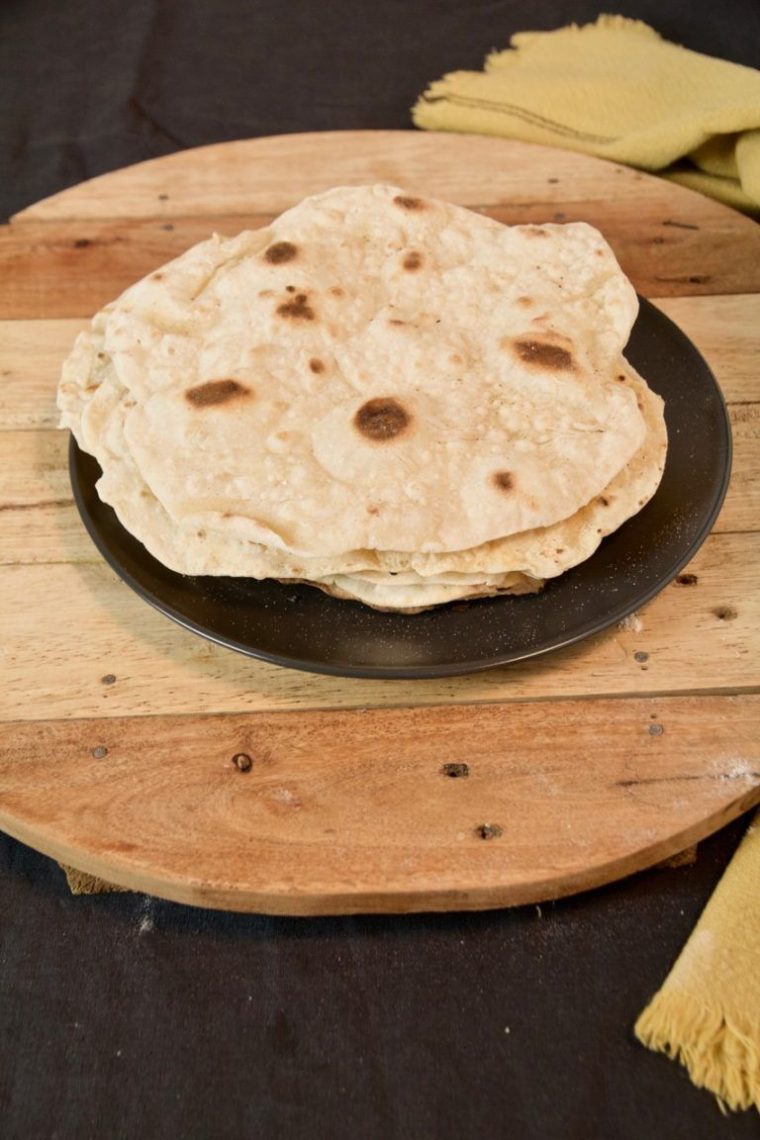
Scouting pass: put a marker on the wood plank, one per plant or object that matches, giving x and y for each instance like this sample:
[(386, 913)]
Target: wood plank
[(31, 354), (269, 174), (741, 510), (39, 523), (725, 329), (71, 268), (662, 255), (699, 638), (33, 470), (343, 812)]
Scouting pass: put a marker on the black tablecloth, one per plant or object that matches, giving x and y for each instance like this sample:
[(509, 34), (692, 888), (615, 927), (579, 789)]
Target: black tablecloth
[(122, 1016)]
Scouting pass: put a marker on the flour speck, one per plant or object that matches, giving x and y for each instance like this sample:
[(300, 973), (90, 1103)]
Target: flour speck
[(145, 924)]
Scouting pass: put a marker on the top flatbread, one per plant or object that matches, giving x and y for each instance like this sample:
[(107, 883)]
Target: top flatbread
[(373, 372)]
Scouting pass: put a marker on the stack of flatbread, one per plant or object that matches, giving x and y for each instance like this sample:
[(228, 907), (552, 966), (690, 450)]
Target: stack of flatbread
[(389, 397)]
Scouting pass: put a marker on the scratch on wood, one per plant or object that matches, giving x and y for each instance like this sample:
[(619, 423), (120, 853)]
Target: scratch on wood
[(680, 225), (686, 776), (692, 279), (35, 506)]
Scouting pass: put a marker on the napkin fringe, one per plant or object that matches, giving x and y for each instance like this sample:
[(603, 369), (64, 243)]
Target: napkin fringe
[(606, 22), (81, 883), (720, 1053)]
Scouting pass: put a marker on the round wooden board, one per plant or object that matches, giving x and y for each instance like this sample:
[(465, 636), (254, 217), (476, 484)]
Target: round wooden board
[(118, 729)]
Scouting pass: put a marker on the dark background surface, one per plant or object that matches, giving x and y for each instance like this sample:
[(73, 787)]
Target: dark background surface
[(92, 85), (122, 1016)]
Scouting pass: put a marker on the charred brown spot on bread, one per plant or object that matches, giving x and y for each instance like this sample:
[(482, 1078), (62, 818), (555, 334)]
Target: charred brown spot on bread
[(316, 365), (560, 550), (542, 354), (215, 392), (621, 377), (381, 419), (526, 302), (412, 261), (396, 322), (336, 291), (157, 277), (600, 253), (405, 202), (101, 356), (604, 500), (280, 252), (298, 309), (503, 480), (373, 510), (290, 288)]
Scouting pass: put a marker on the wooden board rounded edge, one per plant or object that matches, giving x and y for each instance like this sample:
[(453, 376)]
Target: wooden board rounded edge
[(469, 169), (361, 811)]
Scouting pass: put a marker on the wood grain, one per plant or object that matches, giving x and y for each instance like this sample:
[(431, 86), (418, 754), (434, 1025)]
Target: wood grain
[(345, 807), (353, 811), (104, 234), (726, 330)]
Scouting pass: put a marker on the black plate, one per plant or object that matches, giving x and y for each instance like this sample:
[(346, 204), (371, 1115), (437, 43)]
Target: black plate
[(303, 628)]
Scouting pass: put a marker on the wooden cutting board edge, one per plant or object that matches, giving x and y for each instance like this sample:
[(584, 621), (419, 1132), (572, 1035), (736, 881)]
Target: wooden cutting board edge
[(346, 811)]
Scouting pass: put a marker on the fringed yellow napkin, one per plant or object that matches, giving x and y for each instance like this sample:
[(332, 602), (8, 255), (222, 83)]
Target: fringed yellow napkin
[(707, 1014), (617, 90), (80, 883)]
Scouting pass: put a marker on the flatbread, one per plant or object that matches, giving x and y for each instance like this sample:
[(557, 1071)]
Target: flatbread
[(407, 375), (394, 399)]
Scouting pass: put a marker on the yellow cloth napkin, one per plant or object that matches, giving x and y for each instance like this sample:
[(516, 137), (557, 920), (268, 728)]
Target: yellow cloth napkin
[(707, 1014), (81, 883), (617, 90)]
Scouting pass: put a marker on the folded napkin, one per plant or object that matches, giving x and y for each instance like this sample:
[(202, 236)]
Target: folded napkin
[(617, 90), (707, 1014)]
